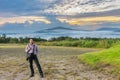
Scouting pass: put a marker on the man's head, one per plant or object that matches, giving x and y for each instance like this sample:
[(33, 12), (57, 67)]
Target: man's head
[(31, 41)]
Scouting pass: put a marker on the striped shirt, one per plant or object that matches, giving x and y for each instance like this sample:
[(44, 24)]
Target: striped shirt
[(31, 49)]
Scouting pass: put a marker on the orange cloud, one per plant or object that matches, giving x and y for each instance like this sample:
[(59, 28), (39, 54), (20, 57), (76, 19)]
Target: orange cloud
[(23, 19), (89, 20)]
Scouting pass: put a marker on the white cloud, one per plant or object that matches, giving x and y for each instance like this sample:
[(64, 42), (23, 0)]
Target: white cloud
[(89, 20), (23, 19), (73, 7)]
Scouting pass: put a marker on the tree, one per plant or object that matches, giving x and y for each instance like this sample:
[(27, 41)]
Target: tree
[(4, 36)]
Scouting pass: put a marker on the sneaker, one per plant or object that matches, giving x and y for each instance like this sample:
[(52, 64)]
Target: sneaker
[(32, 75), (42, 76)]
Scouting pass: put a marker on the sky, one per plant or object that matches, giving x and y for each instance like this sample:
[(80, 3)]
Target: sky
[(25, 15)]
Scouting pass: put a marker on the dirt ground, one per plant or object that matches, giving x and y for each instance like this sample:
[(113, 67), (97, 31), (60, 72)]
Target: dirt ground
[(58, 63)]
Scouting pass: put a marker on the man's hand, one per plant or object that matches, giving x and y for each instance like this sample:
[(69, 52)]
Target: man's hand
[(29, 50)]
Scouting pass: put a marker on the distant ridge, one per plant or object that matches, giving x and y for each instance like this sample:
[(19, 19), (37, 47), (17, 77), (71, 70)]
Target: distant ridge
[(60, 28), (109, 29)]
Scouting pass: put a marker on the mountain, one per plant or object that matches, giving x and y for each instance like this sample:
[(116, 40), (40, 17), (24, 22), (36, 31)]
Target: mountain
[(54, 29), (109, 29)]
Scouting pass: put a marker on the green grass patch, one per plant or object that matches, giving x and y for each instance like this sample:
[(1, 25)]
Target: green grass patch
[(106, 59)]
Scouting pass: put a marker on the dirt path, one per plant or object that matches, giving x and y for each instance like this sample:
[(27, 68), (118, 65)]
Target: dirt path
[(68, 68), (55, 67)]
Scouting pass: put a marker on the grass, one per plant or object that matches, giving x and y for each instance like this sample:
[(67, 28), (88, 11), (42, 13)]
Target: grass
[(108, 59), (12, 45)]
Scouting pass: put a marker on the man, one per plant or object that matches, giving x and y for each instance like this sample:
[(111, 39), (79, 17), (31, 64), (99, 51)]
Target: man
[(32, 51)]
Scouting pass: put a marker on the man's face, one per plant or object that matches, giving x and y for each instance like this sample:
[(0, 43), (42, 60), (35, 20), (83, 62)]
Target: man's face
[(31, 41)]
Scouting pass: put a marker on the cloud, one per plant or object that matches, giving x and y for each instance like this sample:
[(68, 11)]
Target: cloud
[(56, 7), (73, 12), (23, 19), (89, 20), (74, 7)]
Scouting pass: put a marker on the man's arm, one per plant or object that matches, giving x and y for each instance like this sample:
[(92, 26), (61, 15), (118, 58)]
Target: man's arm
[(27, 49)]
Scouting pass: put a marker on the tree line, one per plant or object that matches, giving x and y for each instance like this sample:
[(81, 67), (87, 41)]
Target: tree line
[(65, 41)]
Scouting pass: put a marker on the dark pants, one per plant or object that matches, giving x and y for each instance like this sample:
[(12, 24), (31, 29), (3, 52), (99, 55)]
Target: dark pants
[(31, 58)]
